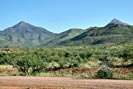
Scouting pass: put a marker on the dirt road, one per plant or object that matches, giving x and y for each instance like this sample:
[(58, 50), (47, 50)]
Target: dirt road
[(17, 82)]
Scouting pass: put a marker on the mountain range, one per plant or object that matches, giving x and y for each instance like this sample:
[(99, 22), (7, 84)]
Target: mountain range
[(26, 35)]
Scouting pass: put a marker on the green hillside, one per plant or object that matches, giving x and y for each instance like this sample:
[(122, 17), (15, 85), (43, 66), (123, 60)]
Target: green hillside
[(110, 34), (64, 36)]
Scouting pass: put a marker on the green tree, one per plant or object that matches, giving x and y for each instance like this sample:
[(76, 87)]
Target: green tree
[(29, 65)]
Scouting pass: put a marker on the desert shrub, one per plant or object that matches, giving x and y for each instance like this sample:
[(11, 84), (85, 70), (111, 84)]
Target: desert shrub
[(29, 65), (104, 72), (53, 66)]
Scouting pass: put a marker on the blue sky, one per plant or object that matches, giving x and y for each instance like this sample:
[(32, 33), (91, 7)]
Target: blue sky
[(60, 15)]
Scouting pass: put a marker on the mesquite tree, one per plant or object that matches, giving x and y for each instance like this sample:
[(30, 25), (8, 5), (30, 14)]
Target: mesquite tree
[(29, 65)]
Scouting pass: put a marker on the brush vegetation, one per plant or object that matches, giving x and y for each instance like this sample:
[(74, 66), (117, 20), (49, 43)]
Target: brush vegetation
[(77, 61)]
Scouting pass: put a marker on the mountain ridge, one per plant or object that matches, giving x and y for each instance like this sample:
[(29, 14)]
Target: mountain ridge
[(24, 34), (110, 33)]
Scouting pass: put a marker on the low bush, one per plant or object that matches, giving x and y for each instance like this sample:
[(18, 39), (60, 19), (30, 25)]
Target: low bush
[(104, 72)]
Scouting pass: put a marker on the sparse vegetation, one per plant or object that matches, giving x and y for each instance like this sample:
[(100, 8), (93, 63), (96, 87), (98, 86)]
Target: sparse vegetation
[(52, 61)]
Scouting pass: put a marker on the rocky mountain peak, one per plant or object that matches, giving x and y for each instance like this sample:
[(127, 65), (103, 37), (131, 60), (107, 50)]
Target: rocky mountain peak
[(117, 22)]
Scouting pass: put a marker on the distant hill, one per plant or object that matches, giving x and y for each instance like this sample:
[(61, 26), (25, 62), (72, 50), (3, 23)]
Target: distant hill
[(114, 32), (24, 35), (64, 36)]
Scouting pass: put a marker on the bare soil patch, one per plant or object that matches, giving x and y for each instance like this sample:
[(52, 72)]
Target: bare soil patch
[(19, 82)]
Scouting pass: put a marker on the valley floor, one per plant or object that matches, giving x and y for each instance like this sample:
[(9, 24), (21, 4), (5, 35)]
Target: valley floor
[(20, 82)]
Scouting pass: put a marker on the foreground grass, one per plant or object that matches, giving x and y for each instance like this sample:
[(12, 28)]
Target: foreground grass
[(84, 72)]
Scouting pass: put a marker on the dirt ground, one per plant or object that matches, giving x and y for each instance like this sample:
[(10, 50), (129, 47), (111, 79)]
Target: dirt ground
[(20, 82)]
